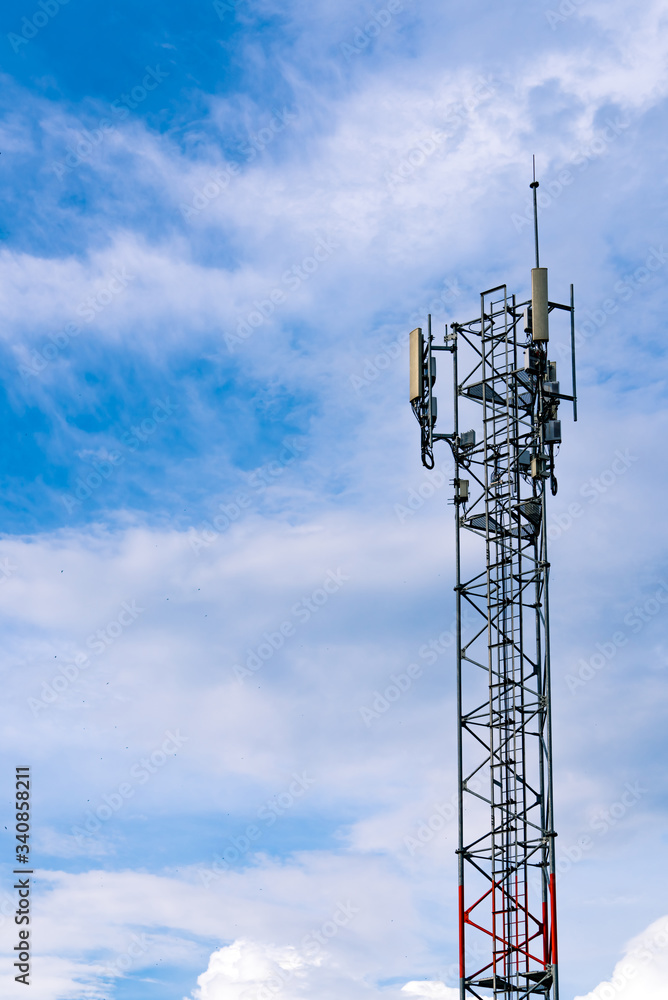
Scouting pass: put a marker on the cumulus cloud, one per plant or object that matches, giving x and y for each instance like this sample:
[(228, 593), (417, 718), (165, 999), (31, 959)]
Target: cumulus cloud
[(642, 974), (246, 970)]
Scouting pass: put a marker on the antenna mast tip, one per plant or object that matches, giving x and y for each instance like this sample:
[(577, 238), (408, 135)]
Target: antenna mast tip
[(535, 182)]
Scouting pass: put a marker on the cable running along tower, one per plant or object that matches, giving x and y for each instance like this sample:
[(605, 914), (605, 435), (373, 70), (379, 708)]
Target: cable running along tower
[(506, 385)]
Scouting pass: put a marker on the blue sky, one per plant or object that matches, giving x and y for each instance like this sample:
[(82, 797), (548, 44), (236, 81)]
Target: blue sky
[(219, 223)]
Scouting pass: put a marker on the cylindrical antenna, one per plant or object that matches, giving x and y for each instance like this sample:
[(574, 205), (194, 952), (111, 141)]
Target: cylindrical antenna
[(534, 185), (429, 384)]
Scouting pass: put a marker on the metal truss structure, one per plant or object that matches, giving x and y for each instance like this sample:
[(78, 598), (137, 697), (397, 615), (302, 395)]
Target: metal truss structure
[(505, 383)]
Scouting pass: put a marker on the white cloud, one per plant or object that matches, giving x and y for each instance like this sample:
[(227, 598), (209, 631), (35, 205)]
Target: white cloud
[(642, 974), (56, 978), (245, 970), (400, 241), (339, 178), (430, 991), (320, 922)]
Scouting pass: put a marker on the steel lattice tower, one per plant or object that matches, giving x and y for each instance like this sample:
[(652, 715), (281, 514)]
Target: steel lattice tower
[(506, 857)]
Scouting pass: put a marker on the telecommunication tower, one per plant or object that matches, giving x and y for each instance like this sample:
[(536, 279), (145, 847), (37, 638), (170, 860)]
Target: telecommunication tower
[(506, 384)]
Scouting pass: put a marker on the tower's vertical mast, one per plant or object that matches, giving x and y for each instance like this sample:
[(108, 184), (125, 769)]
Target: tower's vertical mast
[(534, 187), (506, 863)]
